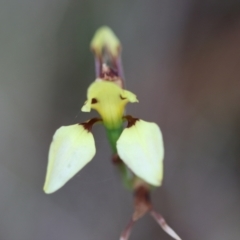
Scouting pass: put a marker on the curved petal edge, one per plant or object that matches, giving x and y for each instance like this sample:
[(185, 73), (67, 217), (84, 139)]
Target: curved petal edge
[(71, 149), (141, 148)]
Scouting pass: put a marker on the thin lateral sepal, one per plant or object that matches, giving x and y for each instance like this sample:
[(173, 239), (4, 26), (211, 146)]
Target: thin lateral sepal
[(98, 66), (127, 231), (120, 68), (89, 124), (161, 221)]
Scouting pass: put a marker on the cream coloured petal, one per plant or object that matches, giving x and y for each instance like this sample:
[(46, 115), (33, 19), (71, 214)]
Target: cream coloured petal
[(141, 149), (71, 149)]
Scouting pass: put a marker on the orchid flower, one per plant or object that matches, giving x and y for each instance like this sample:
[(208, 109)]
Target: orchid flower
[(138, 149)]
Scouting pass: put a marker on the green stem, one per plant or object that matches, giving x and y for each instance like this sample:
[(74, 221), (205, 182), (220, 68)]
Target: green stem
[(127, 176), (113, 135)]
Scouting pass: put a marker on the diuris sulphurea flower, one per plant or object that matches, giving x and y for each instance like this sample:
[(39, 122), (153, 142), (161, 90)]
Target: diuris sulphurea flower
[(138, 149)]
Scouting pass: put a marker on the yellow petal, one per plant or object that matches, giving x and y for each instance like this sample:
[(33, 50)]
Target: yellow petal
[(141, 149), (71, 149), (131, 97), (86, 107), (105, 37), (109, 100)]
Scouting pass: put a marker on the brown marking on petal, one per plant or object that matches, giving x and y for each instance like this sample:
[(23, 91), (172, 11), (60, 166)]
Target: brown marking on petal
[(121, 97), (131, 120), (94, 100), (88, 125)]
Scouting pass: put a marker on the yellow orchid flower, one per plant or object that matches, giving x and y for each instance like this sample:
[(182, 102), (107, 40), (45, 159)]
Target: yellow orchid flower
[(138, 148)]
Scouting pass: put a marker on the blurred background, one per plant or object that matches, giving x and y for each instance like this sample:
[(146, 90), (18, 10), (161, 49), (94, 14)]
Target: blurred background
[(181, 58)]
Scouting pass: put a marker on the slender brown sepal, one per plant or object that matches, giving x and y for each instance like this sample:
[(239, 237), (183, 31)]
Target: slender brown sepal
[(98, 66), (127, 231), (161, 221), (142, 205)]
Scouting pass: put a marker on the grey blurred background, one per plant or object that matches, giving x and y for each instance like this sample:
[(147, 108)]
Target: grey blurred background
[(181, 58)]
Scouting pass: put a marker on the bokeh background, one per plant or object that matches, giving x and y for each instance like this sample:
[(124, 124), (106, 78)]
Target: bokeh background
[(181, 58)]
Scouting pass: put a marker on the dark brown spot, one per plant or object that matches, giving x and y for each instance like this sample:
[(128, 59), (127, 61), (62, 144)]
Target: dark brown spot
[(94, 100), (123, 98)]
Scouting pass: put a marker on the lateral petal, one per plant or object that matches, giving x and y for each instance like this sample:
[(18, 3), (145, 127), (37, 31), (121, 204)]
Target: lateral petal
[(71, 149), (140, 147)]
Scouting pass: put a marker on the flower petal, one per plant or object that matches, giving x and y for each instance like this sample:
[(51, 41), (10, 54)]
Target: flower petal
[(86, 107), (140, 147), (71, 149), (131, 97)]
